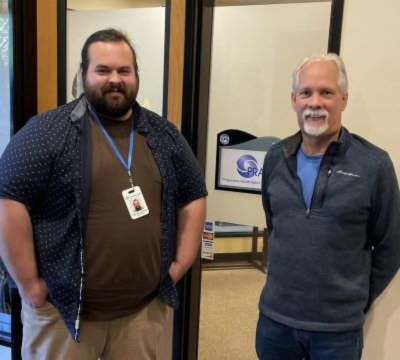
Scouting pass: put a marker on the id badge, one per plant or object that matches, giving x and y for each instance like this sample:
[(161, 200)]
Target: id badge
[(135, 202)]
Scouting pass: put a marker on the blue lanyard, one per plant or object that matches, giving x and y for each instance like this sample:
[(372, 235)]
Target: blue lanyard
[(127, 166)]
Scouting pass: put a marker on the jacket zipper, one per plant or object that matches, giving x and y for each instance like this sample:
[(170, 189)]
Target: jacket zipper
[(328, 174), (308, 210)]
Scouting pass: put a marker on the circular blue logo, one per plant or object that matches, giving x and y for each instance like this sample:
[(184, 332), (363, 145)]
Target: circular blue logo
[(247, 166), (224, 139)]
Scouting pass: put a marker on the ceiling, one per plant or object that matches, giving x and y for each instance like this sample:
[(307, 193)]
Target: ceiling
[(118, 4)]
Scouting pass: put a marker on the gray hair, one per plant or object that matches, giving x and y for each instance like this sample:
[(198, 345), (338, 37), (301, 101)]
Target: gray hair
[(336, 59)]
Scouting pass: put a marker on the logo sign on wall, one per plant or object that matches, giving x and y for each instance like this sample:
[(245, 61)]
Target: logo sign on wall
[(240, 158)]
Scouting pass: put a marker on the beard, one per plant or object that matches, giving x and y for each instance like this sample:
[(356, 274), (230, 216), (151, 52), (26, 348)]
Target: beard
[(310, 126), (105, 105)]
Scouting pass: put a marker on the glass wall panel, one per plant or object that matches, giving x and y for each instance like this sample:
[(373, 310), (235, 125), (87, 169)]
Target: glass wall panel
[(5, 121), (5, 133), (145, 26), (254, 51)]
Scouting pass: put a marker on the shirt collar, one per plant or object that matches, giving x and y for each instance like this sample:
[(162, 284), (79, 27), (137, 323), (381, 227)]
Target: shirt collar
[(141, 123)]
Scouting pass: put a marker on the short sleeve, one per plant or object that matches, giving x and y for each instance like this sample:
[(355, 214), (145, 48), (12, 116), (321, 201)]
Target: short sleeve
[(26, 164)]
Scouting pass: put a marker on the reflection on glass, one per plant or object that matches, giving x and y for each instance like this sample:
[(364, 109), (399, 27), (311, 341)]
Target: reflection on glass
[(145, 26), (4, 79), (5, 128), (254, 51)]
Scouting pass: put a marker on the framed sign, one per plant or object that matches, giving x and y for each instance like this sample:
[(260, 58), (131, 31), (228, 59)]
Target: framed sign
[(240, 158)]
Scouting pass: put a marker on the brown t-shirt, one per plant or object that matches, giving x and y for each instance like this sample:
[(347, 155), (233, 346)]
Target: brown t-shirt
[(122, 255)]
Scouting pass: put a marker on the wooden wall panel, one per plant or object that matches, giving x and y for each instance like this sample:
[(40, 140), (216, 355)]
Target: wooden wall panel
[(47, 54), (176, 57)]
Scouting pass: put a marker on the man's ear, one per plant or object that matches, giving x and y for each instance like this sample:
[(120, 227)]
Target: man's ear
[(345, 98), (293, 99)]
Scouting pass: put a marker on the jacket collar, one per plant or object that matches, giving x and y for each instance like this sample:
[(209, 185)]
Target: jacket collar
[(293, 143)]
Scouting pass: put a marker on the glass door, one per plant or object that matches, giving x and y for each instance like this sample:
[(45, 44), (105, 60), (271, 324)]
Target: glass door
[(5, 115), (18, 103), (244, 54), (255, 47), (5, 132), (143, 22)]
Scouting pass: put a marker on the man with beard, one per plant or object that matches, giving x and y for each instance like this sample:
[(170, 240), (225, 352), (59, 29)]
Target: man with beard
[(84, 264), (332, 205)]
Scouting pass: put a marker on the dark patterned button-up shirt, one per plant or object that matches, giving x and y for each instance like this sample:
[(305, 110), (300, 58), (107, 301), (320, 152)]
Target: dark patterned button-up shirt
[(47, 167)]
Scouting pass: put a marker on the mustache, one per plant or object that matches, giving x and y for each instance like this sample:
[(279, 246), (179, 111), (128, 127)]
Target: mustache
[(315, 113), (114, 87)]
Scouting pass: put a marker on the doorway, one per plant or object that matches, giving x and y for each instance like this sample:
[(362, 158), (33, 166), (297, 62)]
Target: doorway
[(255, 48)]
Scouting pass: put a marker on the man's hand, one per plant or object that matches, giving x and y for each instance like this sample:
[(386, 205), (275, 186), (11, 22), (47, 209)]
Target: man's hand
[(34, 294), (176, 271), (17, 251), (191, 219)]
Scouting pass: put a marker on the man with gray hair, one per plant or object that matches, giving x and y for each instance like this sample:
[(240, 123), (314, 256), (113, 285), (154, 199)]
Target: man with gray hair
[(332, 203)]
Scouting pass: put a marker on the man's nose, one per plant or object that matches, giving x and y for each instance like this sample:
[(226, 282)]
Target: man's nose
[(114, 77), (315, 101)]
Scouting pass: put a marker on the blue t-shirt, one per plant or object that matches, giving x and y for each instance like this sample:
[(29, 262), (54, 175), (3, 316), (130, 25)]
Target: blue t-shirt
[(307, 170)]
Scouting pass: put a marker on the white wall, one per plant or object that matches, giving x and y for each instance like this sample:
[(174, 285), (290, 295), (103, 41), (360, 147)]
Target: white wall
[(255, 49), (371, 51), (145, 27)]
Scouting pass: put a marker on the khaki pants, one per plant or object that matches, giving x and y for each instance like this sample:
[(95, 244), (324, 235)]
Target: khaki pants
[(146, 335)]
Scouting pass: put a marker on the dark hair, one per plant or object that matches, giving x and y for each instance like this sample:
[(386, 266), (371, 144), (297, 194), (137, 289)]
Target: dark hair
[(106, 35)]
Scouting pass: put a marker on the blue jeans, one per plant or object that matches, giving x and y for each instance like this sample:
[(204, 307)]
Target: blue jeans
[(275, 341)]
